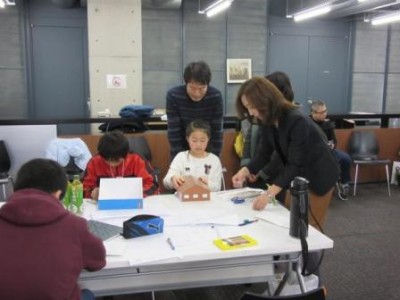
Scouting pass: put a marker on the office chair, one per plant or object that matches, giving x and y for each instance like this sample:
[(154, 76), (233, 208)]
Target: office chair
[(363, 149), (317, 294), (139, 145), (5, 165)]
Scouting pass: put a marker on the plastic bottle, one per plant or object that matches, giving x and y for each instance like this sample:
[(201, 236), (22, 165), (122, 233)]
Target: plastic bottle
[(76, 201), (67, 197)]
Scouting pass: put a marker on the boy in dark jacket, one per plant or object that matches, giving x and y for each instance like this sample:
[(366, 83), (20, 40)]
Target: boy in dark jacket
[(44, 247)]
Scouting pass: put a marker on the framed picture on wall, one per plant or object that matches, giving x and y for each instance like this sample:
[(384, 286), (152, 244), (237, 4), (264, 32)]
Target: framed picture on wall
[(238, 70)]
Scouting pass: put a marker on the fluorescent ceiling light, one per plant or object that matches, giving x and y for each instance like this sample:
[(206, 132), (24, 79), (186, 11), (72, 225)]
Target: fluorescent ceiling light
[(216, 7), (363, 0), (312, 12), (3, 3), (388, 18)]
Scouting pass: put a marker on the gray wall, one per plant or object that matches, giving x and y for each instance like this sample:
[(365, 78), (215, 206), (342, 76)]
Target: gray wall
[(172, 38), (316, 57), (376, 69), (58, 68), (13, 99)]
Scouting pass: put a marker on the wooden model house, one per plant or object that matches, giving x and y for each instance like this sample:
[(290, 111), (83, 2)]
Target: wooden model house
[(193, 190)]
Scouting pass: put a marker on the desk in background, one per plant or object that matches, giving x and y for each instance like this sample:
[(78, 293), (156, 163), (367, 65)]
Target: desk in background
[(149, 263)]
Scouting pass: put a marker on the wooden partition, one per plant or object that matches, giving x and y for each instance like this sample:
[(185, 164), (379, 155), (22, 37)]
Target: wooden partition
[(389, 140), (160, 150)]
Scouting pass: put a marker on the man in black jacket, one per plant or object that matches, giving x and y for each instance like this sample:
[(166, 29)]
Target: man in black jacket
[(318, 115)]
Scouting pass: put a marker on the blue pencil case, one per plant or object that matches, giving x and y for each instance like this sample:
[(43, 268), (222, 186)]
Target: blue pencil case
[(142, 225)]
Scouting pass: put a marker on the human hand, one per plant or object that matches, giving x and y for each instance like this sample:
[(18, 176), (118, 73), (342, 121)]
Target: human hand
[(240, 177), (267, 197), (252, 178), (95, 194), (204, 180), (262, 201), (177, 181)]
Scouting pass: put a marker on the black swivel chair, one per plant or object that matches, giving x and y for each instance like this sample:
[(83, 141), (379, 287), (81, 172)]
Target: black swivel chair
[(138, 144), (363, 149), (317, 294), (5, 165)]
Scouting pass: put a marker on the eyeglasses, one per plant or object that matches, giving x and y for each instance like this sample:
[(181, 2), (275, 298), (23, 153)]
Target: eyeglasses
[(322, 112)]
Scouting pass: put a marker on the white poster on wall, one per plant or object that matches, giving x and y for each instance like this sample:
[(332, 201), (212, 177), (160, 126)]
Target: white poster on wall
[(116, 81)]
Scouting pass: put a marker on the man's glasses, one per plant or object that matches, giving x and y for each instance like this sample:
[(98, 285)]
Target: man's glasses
[(322, 112)]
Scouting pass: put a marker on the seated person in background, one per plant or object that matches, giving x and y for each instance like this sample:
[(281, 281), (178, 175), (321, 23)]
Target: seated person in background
[(196, 162), (194, 100), (44, 247), (114, 160), (318, 115)]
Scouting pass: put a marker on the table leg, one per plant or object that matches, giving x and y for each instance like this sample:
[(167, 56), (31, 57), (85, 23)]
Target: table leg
[(300, 278), (285, 277)]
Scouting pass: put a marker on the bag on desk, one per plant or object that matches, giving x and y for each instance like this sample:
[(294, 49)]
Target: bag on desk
[(142, 225)]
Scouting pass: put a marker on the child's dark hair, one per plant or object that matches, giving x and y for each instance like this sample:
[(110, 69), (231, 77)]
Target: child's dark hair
[(113, 145), (198, 125), (43, 174), (197, 71)]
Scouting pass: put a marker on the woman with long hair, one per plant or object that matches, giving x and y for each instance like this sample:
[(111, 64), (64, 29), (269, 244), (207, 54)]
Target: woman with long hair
[(290, 139)]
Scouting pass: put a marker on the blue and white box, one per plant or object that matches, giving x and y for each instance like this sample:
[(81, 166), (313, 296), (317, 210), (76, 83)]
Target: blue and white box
[(120, 193)]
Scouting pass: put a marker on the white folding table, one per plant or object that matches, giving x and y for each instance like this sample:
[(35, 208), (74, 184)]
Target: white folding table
[(197, 263)]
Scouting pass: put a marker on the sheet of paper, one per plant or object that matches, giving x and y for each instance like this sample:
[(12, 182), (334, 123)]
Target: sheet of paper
[(121, 188), (199, 218), (275, 215), (193, 240), (149, 248), (115, 246)]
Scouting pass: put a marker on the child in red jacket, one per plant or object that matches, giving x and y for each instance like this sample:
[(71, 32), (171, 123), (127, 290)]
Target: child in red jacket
[(114, 160)]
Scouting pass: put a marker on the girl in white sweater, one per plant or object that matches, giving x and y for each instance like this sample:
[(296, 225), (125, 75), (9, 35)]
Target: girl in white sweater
[(196, 162)]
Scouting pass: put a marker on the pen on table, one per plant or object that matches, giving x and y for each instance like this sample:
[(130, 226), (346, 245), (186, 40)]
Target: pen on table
[(170, 243), (246, 222)]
